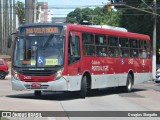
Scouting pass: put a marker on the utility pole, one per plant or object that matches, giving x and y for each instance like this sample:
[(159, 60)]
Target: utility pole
[(14, 17), (30, 11), (154, 43), (92, 17)]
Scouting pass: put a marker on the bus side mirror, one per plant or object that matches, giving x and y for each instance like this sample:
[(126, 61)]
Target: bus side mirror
[(9, 41)]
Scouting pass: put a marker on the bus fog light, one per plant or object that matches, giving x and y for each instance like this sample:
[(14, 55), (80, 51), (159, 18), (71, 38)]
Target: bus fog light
[(58, 74), (15, 75)]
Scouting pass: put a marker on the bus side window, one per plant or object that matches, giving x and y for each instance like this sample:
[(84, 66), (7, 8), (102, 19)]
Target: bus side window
[(125, 52), (148, 49), (73, 48), (143, 49), (113, 46), (88, 44), (133, 48), (101, 45)]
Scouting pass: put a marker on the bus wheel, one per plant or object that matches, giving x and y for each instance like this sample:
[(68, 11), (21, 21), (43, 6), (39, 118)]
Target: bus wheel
[(83, 90), (37, 93), (2, 75), (129, 83)]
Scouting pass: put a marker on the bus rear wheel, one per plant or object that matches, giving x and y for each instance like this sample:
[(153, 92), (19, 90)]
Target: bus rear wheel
[(83, 90), (37, 93), (129, 83), (128, 87), (2, 75)]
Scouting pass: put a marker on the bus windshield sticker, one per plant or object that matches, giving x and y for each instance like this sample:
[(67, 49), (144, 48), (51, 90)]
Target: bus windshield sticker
[(25, 62), (33, 62), (51, 61), (41, 60)]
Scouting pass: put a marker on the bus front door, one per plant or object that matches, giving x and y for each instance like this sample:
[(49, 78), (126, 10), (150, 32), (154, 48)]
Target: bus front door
[(74, 64)]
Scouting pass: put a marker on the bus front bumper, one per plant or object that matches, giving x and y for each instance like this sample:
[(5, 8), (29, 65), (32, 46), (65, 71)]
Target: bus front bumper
[(58, 85)]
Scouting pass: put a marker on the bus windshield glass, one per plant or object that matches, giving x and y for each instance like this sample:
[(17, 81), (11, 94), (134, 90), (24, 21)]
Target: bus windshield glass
[(39, 51)]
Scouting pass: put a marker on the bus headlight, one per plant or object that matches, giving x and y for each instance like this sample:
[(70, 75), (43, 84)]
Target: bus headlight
[(15, 75), (58, 74)]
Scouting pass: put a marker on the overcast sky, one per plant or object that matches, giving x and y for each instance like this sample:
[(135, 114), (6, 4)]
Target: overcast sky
[(63, 7)]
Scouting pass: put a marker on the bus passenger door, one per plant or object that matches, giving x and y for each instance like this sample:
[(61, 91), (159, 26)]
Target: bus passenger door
[(74, 64)]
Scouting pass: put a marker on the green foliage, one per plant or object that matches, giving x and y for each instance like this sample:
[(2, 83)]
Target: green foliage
[(2, 118), (9, 65), (97, 16), (141, 22), (20, 11), (135, 20)]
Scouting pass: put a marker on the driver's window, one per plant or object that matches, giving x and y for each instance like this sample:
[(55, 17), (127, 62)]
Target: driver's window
[(73, 48)]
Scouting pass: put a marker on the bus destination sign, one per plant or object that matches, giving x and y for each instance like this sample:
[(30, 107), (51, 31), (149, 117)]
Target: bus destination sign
[(40, 30)]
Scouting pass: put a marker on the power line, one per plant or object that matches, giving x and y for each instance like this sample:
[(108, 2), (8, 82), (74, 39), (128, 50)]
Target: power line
[(137, 9), (147, 5)]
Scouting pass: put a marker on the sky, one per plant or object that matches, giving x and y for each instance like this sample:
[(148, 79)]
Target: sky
[(61, 8)]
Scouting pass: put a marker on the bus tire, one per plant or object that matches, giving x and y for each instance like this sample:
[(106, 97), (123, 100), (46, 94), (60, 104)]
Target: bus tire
[(128, 87), (129, 83), (83, 89), (37, 93), (2, 75)]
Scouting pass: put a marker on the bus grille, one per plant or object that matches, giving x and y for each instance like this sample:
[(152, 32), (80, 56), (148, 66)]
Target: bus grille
[(37, 72), (42, 87)]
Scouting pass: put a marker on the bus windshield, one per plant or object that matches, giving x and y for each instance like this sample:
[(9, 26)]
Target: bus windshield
[(39, 51)]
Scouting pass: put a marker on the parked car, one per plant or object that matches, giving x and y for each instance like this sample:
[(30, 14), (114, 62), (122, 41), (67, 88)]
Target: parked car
[(3, 69)]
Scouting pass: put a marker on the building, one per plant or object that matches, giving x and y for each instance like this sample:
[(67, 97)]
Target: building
[(50, 16), (58, 19), (47, 16), (43, 9)]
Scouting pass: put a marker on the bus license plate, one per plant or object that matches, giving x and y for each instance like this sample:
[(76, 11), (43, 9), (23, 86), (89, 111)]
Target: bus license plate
[(36, 85)]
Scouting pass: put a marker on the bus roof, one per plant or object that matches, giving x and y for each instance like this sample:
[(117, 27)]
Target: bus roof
[(89, 29), (92, 29), (110, 27)]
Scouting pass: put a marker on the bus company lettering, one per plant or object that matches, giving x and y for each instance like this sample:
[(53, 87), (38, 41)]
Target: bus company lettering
[(96, 66), (94, 62), (100, 68)]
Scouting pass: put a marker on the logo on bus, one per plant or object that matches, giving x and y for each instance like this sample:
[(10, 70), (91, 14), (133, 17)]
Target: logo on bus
[(100, 68), (96, 66), (130, 61), (122, 61)]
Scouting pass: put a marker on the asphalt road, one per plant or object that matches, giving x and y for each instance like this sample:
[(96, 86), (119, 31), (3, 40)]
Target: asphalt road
[(144, 97)]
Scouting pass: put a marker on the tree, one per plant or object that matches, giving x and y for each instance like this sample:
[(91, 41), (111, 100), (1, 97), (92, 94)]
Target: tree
[(20, 11), (5, 26), (135, 20), (11, 22), (95, 16), (1, 27), (141, 22)]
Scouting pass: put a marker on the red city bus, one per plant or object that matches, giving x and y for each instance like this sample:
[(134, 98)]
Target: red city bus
[(68, 57)]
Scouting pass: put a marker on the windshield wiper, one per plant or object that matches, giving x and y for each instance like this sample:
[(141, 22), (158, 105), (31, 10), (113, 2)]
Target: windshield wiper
[(48, 40)]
